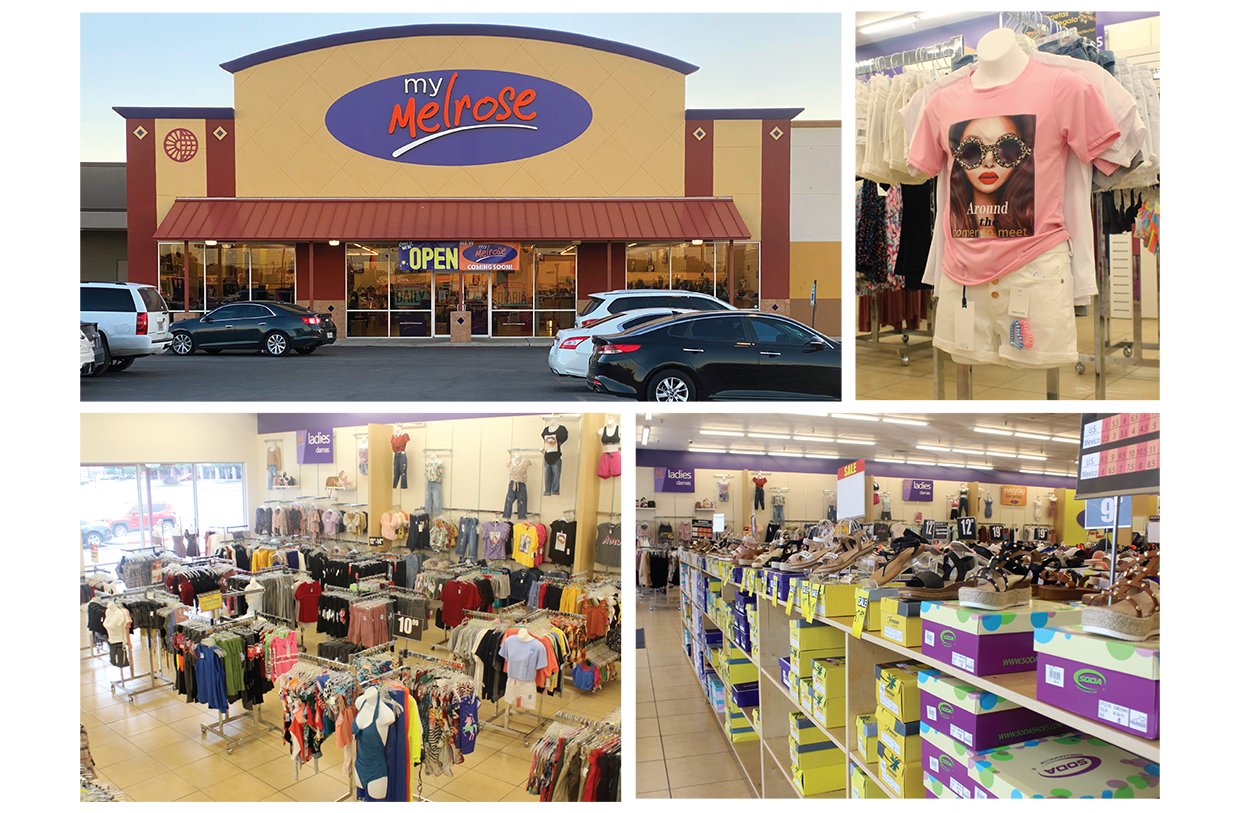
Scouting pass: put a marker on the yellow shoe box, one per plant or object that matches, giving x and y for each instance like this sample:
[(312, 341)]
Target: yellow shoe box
[(829, 711), (874, 605), (819, 780), (836, 600), (901, 621), (862, 786), (738, 670), (815, 755), (867, 737), (805, 634), (895, 688), (801, 661), (903, 779), (801, 729), (829, 675), (902, 739)]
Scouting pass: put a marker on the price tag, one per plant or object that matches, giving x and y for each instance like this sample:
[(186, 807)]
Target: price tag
[(790, 603), (1019, 304), (210, 601), (965, 318), (809, 599), (94, 552), (863, 603), (157, 572), (814, 590)]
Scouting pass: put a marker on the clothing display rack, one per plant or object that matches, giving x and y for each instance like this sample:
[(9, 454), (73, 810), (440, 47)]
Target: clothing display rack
[(148, 592), (255, 714), (950, 50)]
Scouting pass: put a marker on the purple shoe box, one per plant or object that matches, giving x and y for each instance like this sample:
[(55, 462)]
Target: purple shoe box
[(978, 654), (1126, 702), (950, 770), (993, 729)]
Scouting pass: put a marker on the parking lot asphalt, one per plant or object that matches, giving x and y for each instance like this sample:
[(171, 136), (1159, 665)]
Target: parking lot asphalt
[(353, 372)]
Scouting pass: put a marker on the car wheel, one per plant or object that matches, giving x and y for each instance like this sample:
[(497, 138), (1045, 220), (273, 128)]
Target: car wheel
[(120, 529), (671, 387), (182, 343), (92, 538), (121, 364), (103, 366), (275, 343), (305, 351), (169, 526)]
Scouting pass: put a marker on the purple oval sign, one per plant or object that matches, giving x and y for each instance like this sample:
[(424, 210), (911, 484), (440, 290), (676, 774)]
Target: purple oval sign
[(458, 118), (489, 253)]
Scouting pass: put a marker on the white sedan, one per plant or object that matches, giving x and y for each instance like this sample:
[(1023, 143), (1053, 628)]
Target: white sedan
[(570, 352)]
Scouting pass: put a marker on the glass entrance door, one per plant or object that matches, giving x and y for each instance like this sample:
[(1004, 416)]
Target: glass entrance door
[(446, 300), (478, 302)]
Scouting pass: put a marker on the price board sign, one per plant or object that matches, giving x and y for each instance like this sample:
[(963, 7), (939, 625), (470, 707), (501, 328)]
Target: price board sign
[(1103, 512)]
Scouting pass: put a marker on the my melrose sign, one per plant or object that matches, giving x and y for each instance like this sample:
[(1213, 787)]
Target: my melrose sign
[(670, 479), (314, 446), (458, 118)]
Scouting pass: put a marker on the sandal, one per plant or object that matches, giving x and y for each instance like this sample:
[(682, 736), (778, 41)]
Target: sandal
[(851, 549), (929, 585), (809, 558), (1000, 584), (900, 554), (1063, 585), (1129, 610)]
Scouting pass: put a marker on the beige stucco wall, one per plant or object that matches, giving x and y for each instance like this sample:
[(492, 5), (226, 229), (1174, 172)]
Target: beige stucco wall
[(634, 146)]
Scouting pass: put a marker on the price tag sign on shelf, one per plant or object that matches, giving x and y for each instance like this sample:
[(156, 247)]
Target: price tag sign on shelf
[(1120, 454), (210, 601), (850, 489), (809, 598), (717, 523), (1101, 513), (792, 600), (863, 603)]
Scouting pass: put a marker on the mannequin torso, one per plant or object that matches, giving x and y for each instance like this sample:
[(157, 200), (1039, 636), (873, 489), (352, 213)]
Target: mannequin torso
[(999, 59)]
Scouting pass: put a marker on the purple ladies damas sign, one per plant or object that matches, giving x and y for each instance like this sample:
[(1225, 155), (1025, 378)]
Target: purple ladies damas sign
[(919, 491), (458, 118), (314, 445), (670, 479)]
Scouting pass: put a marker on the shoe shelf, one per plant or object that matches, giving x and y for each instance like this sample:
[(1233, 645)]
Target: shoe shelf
[(770, 640)]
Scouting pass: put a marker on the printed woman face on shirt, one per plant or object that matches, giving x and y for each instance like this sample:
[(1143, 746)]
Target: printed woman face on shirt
[(989, 176)]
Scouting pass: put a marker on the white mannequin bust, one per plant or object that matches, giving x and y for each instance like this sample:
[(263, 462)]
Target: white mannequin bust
[(523, 635), (999, 59), (516, 455), (553, 424), (368, 706), (609, 431)]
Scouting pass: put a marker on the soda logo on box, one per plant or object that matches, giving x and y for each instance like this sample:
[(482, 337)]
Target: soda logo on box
[(1068, 765), (947, 709), (1087, 680), (947, 637)]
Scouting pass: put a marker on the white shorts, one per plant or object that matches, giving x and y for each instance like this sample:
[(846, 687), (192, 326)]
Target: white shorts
[(1050, 338)]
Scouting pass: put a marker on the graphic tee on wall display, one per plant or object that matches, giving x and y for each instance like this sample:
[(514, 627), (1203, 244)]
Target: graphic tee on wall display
[(673, 479), (314, 445), (1119, 455), (850, 485)]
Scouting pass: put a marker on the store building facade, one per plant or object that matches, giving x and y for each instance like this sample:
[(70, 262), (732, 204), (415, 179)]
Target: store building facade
[(395, 175)]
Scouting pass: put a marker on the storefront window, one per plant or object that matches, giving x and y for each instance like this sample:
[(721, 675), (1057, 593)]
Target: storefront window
[(701, 268), (367, 271), (648, 266), (748, 280), (512, 298), (227, 272), (693, 268), (556, 295)]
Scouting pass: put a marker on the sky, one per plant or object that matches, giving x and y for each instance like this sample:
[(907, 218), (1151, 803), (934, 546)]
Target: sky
[(745, 60)]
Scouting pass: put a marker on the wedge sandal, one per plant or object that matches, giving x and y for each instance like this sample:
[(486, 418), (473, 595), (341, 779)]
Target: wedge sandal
[(1129, 610), (902, 551), (851, 549), (930, 585)]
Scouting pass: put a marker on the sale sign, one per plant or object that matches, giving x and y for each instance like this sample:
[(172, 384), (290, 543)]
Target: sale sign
[(1014, 495)]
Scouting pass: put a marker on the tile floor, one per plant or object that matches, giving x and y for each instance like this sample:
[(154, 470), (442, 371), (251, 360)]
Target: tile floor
[(154, 750), (681, 751), (880, 376)]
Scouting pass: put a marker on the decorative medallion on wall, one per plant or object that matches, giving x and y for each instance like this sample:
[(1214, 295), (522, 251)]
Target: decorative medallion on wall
[(180, 145)]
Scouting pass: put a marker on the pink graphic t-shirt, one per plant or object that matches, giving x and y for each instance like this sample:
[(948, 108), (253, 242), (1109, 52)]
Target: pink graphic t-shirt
[(1002, 153)]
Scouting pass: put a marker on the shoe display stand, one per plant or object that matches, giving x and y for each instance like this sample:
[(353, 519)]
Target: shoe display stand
[(766, 761)]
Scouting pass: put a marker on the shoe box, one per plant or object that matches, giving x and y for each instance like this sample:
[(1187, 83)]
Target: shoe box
[(983, 642), (901, 620), (975, 718), (895, 688), (947, 761), (1065, 767), (1114, 682)]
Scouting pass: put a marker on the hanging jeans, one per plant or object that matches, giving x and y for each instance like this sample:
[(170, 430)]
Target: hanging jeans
[(551, 477), (778, 516), (467, 538), (434, 497), (759, 498), (271, 476), (516, 491), (400, 470)]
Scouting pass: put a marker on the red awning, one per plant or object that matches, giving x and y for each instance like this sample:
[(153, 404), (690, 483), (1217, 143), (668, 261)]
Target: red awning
[(258, 219)]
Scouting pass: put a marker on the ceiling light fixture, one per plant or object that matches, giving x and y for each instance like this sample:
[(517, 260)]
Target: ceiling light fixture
[(822, 456), (1030, 457), (933, 448), (769, 437), (1031, 437), (887, 460), (648, 415), (888, 25), (1061, 439), (1031, 471), (645, 434), (1001, 454), (908, 421), (854, 417), (721, 432), (813, 438), (857, 442), (979, 466), (987, 430), (716, 451), (785, 454), (976, 452)]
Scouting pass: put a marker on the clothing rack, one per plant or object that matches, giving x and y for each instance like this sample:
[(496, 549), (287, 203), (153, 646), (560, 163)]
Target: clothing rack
[(139, 592), (950, 50), (255, 714), (586, 721)]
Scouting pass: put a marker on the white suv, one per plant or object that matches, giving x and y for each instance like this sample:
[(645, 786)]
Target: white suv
[(133, 320), (612, 302)]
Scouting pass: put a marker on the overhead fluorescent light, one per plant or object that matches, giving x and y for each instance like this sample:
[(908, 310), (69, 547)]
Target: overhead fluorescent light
[(1030, 457), (1001, 454), (978, 466), (933, 448), (857, 442), (721, 432), (645, 434), (1031, 437), (716, 451), (822, 456), (648, 415), (887, 460), (1061, 439), (908, 421), (920, 463), (770, 437), (813, 438), (975, 452), (888, 25), (853, 417), (785, 454), (987, 430), (1031, 471)]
